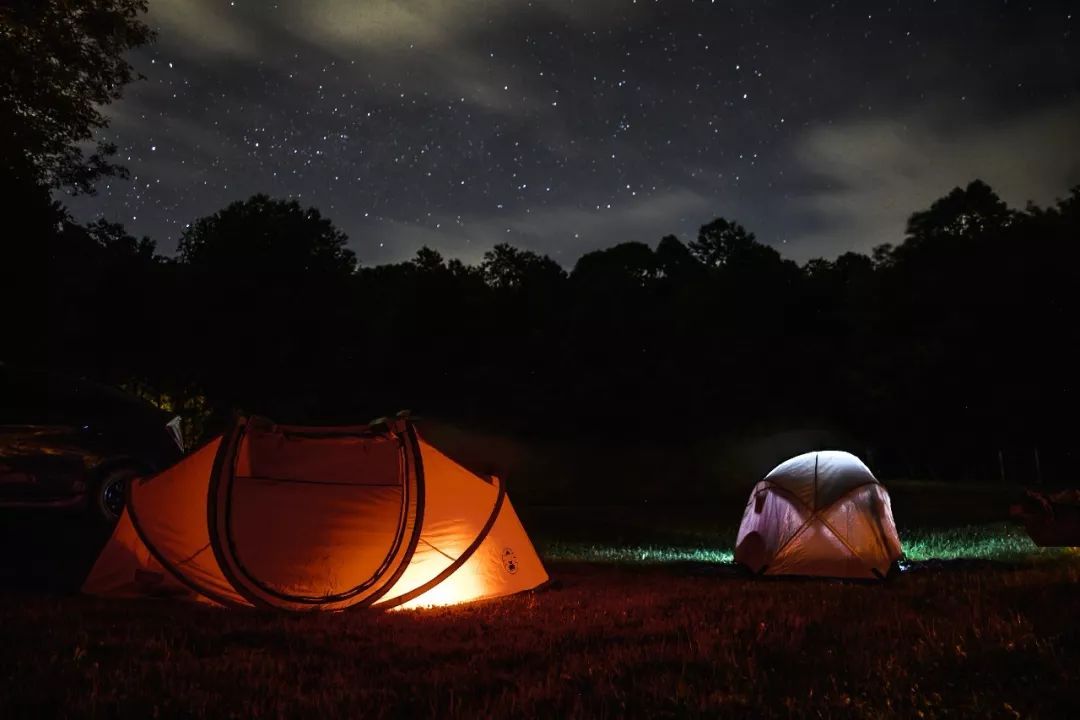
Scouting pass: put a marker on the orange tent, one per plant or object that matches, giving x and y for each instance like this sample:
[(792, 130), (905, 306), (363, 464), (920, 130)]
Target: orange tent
[(318, 518)]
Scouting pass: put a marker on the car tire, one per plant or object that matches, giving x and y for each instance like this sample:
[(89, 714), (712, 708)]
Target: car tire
[(110, 493)]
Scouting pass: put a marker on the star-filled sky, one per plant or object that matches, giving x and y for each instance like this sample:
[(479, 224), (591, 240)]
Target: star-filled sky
[(565, 126)]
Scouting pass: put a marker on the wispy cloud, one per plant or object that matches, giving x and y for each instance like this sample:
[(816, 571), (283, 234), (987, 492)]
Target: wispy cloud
[(871, 175), (441, 49), (204, 26), (564, 232)]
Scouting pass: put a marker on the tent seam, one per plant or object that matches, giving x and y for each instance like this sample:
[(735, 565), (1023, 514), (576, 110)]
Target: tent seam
[(445, 555)]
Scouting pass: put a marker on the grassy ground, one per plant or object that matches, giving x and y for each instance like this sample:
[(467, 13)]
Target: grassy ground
[(997, 543), (645, 618)]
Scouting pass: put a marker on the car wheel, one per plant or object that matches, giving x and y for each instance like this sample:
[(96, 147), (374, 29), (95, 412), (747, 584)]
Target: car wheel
[(111, 492)]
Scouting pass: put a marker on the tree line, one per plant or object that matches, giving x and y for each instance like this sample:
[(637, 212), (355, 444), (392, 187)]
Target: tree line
[(962, 337)]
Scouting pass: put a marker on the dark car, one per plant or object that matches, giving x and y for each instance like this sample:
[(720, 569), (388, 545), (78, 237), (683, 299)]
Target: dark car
[(72, 443)]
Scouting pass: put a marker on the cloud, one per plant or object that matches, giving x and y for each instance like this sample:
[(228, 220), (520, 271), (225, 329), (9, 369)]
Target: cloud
[(563, 232), (393, 25), (388, 24), (204, 26), (871, 175), (441, 48)]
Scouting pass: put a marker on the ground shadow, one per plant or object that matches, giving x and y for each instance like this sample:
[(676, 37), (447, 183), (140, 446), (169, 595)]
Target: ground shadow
[(48, 550)]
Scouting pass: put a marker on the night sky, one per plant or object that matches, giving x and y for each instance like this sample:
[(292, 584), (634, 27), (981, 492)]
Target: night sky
[(567, 126)]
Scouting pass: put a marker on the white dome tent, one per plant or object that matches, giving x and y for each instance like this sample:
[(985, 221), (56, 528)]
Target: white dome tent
[(823, 513)]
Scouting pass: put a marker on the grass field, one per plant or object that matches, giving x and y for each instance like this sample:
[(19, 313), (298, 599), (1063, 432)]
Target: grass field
[(645, 617)]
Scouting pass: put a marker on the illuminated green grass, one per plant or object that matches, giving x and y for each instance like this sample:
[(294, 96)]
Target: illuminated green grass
[(997, 541), (634, 554)]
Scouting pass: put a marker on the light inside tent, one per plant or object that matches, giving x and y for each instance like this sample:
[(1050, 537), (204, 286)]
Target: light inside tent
[(463, 585)]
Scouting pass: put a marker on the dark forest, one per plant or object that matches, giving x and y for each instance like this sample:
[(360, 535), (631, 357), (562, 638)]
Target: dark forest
[(938, 353)]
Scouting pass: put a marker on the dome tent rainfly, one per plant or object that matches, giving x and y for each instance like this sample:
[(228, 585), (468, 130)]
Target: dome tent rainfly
[(822, 513), (318, 518)]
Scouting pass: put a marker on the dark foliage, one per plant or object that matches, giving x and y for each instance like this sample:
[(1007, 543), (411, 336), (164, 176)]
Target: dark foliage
[(948, 355), (60, 62)]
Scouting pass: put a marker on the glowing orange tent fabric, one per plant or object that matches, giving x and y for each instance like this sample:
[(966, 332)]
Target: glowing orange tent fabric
[(822, 513), (318, 518)]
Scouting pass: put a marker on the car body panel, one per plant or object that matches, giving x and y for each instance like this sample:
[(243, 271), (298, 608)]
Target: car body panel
[(59, 436)]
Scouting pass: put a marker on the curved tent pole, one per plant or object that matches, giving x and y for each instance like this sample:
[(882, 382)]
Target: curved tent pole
[(225, 456), (816, 514), (160, 557), (780, 490), (232, 567), (461, 559), (418, 464), (843, 541)]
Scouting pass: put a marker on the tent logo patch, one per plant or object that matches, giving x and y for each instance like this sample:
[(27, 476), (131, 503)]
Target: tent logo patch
[(510, 561)]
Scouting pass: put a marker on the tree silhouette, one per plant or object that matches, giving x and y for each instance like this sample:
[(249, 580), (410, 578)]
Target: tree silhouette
[(261, 235), (963, 213), (507, 268), (62, 62), (674, 260), (945, 354), (428, 261), (723, 242), (631, 263), (266, 284)]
